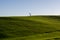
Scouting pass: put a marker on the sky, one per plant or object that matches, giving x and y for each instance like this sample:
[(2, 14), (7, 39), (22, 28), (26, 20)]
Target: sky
[(24, 7)]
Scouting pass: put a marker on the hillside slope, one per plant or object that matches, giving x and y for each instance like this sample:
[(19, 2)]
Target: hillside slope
[(11, 27)]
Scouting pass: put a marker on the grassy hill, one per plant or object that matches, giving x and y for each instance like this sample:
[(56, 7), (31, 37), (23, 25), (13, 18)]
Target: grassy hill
[(30, 28)]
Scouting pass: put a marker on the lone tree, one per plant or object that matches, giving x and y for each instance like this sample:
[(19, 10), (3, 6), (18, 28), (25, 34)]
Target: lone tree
[(29, 14)]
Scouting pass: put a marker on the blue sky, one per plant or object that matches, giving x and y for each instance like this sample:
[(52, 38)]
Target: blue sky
[(23, 7)]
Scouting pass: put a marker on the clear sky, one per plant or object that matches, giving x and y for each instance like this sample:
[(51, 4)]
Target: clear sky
[(23, 7)]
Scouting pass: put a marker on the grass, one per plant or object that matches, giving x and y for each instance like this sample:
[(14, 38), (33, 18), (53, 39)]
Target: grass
[(30, 28)]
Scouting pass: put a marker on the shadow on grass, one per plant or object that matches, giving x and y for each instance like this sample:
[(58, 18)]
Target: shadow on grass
[(3, 36), (54, 39)]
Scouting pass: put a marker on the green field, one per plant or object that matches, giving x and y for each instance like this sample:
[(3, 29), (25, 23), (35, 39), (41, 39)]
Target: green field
[(30, 28)]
